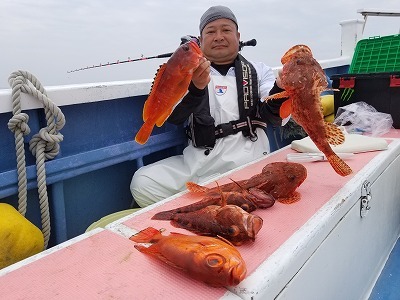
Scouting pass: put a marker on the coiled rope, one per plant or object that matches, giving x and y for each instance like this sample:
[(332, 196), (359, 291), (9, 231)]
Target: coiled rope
[(44, 145)]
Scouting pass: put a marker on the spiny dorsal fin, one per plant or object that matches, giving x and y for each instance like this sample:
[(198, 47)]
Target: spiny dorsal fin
[(196, 188), (237, 184), (223, 199), (280, 95), (146, 109), (157, 77)]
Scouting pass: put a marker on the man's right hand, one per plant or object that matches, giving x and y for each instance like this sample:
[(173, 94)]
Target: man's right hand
[(201, 76)]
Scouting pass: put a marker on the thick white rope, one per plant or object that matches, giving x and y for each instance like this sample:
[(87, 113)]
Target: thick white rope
[(43, 145)]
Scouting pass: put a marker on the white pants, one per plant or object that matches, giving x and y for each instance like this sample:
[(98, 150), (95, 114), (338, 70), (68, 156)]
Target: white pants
[(167, 177)]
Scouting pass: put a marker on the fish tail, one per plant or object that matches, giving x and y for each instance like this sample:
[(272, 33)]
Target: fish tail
[(163, 215), (146, 235), (141, 248), (339, 165), (169, 214), (152, 250), (144, 133), (196, 188)]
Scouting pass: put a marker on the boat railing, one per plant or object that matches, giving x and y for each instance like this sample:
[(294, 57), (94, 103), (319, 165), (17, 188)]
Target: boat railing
[(90, 177)]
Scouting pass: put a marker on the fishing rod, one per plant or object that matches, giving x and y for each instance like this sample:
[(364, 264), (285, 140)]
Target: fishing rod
[(184, 39), (122, 62), (251, 43)]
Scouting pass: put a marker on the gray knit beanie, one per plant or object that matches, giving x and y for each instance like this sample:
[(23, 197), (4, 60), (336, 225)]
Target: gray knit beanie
[(215, 13)]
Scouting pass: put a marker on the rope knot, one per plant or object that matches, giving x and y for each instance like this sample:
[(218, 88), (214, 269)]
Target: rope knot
[(46, 142), (44, 145), (19, 122)]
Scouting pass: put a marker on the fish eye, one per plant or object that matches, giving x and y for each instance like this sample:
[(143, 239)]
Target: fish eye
[(215, 260), (185, 47), (245, 207), (291, 177), (233, 230)]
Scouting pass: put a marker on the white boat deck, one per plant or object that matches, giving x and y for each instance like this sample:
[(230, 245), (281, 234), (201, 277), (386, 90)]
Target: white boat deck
[(104, 264)]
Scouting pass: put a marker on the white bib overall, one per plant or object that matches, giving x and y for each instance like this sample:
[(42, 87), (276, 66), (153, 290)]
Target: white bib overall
[(167, 177)]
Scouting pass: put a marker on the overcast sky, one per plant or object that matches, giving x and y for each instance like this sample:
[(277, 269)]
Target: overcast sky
[(50, 37)]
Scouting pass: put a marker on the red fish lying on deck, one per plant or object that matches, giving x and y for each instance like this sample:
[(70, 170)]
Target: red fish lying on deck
[(169, 86), (303, 80), (279, 179), (228, 221), (212, 260), (248, 200)]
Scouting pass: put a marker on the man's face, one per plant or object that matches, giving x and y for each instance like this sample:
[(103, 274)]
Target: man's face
[(220, 41)]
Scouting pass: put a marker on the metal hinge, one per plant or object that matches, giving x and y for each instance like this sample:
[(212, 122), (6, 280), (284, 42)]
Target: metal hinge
[(365, 198)]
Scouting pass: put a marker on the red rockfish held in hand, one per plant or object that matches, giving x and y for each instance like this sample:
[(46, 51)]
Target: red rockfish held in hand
[(303, 80), (214, 261), (169, 86)]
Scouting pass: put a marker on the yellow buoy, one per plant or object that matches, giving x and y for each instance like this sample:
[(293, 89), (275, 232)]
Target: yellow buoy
[(328, 105), (19, 238), (330, 118)]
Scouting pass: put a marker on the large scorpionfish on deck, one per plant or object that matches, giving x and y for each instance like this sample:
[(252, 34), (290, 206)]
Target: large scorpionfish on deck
[(225, 210), (303, 80), (169, 86), (229, 221), (214, 261), (278, 179)]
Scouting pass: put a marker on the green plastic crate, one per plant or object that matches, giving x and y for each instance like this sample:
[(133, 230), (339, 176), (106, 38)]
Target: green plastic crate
[(376, 54)]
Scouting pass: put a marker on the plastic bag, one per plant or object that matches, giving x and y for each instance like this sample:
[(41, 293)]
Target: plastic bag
[(362, 118)]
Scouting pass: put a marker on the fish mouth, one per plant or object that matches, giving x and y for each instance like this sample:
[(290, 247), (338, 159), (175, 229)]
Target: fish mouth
[(195, 47), (254, 224), (293, 50), (261, 198), (237, 274)]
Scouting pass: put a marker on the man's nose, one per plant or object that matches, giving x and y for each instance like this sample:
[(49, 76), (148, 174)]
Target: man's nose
[(219, 35)]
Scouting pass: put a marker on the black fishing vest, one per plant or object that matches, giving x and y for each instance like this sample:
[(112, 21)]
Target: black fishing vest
[(202, 130)]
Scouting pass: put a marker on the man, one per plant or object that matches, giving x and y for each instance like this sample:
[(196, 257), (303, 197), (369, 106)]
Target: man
[(226, 117)]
